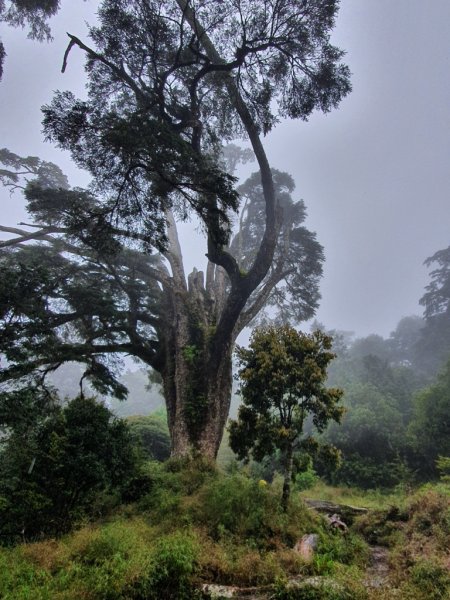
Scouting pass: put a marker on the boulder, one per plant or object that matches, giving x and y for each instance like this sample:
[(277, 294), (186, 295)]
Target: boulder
[(307, 546)]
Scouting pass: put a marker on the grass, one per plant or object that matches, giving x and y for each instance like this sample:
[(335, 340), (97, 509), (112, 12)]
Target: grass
[(372, 499), (194, 524)]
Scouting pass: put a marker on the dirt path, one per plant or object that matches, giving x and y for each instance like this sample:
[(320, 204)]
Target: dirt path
[(378, 572)]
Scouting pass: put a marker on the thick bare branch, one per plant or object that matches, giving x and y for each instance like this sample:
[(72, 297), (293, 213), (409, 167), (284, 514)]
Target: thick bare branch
[(25, 236), (174, 254), (259, 302), (118, 71)]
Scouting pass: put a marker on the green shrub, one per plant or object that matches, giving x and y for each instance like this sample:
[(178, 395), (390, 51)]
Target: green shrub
[(443, 466), (381, 526), (338, 548), (237, 505), (431, 580), (18, 578), (368, 473), (174, 563), (57, 470), (429, 513), (306, 479)]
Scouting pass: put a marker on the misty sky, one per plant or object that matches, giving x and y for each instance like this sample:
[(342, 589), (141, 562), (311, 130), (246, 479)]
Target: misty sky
[(374, 174)]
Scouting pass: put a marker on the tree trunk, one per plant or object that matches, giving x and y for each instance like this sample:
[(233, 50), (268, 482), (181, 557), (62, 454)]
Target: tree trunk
[(200, 332), (198, 399), (196, 373), (288, 466)]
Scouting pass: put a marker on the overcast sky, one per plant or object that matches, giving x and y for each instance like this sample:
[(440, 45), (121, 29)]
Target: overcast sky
[(374, 174)]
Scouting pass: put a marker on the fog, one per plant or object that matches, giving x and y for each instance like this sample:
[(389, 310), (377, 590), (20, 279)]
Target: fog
[(374, 173)]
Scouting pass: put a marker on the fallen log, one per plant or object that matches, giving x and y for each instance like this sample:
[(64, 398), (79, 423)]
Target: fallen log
[(345, 511)]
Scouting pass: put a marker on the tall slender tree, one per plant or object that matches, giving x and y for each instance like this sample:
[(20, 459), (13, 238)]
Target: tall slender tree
[(169, 84)]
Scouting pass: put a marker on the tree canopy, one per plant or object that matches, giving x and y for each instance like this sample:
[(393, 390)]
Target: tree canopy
[(82, 290), (31, 13), (169, 82)]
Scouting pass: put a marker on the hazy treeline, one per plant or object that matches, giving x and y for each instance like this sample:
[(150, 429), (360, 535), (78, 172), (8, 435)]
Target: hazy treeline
[(397, 399)]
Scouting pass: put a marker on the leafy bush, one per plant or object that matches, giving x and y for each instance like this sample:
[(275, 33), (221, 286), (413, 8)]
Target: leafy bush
[(337, 548), (429, 514), (168, 483), (305, 480), (239, 506), (443, 466), (55, 466), (368, 473), (174, 563), (235, 504), (381, 526)]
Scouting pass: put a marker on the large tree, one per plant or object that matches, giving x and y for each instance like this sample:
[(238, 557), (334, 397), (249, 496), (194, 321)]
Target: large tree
[(169, 84)]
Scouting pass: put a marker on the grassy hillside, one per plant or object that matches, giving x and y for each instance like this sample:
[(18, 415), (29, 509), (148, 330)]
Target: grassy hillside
[(194, 524)]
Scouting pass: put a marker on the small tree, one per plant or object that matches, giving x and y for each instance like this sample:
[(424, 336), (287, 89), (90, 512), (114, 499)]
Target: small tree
[(283, 376)]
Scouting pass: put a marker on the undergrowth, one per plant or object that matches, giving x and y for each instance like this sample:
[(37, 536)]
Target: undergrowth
[(193, 524)]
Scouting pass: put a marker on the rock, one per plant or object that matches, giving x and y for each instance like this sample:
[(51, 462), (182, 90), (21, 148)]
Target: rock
[(318, 582), (335, 522), (219, 592), (346, 512), (306, 546)]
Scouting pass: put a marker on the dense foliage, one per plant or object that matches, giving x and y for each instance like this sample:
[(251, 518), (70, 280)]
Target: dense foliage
[(430, 424), (283, 375), (395, 421), (151, 435), (56, 462)]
